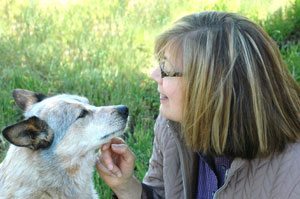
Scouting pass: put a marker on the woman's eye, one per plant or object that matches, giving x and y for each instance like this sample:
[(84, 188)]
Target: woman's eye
[(83, 113)]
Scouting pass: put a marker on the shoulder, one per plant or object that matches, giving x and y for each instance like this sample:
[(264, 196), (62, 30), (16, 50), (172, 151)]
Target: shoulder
[(291, 158), (276, 176), (287, 176), (291, 153), (282, 170), (285, 162), (287, 158)]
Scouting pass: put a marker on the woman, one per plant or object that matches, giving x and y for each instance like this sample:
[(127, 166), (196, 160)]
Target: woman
[(229, 117)]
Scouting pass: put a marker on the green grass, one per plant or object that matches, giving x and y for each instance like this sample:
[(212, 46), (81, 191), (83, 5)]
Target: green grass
[(103, 50)]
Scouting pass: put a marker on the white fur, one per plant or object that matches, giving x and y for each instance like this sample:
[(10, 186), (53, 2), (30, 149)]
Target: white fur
[(65, 169)]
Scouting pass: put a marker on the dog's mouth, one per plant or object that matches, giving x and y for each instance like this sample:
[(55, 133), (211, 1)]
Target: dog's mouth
[(116, 133), (113, 134), (109, 136)]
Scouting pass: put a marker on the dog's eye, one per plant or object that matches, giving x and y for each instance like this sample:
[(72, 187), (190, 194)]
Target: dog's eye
[(83, 113)]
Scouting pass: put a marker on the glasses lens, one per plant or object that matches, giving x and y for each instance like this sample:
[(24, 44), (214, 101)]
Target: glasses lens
[(168, 70), (162, 72)]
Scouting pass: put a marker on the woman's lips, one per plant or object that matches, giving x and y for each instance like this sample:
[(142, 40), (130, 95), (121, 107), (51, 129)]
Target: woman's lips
[(163, 97)]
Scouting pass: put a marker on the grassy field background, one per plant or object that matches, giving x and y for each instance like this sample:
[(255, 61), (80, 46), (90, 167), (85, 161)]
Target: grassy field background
[(103, 50)]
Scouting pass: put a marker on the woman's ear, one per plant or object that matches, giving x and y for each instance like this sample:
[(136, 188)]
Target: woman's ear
[(32, 133), (25, 98)]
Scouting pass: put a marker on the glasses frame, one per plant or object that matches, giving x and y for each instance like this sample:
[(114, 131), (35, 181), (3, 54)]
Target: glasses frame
[(163, 73)]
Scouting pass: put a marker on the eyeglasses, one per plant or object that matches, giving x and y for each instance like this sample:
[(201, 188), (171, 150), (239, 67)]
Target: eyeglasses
[(168, 70)]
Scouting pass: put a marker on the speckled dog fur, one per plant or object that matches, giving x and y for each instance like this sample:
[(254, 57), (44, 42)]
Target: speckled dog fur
[(53, 150)]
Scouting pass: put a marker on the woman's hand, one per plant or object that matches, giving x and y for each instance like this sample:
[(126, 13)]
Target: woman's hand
[(116, 163)]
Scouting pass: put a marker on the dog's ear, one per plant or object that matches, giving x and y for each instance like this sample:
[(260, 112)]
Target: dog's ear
[(25, 98), (33, 133)]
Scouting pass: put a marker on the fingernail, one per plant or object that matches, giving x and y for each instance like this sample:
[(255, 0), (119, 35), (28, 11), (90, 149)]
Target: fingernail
[(117, 145)]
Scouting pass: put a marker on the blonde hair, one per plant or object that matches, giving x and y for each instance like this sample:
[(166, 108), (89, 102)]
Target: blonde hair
[(240, 99)]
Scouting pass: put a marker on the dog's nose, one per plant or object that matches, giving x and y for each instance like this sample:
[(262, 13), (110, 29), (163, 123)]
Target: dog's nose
[(122, 110)]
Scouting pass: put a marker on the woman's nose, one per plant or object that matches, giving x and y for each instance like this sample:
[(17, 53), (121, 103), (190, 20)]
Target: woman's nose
[(155, 75)]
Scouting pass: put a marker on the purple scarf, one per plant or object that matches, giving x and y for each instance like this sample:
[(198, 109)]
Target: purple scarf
[(211, 175)]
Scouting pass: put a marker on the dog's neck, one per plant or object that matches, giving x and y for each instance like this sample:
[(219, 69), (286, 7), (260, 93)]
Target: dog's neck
[(62, 177)]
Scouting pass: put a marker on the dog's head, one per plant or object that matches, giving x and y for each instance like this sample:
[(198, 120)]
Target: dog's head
[(64, 122)]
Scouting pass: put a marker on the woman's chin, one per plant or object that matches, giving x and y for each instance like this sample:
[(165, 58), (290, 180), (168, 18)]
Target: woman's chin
[(171, 115)]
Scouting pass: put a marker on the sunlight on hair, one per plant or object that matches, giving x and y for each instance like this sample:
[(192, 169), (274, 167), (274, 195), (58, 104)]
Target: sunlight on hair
[(255, 9)]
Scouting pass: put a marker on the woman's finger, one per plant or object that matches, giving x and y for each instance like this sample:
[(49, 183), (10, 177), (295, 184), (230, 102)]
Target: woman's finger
[(106, 159), (117, 140), (123, 150), (116, 171), (105, 146), (102, 169), (106, 162)]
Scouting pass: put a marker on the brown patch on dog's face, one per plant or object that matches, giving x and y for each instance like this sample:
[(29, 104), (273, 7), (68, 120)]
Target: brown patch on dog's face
[(33, 133), (72, 171)]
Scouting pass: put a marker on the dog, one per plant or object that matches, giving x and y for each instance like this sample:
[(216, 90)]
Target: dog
[(53, 151)]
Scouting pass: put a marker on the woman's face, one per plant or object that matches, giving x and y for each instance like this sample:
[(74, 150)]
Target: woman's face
[(170, 89)]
